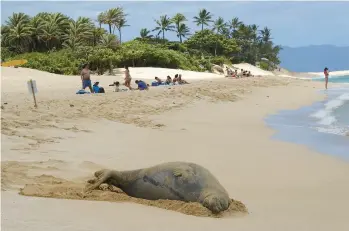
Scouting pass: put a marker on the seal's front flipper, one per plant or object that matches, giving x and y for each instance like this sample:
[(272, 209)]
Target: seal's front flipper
[(102, 177)]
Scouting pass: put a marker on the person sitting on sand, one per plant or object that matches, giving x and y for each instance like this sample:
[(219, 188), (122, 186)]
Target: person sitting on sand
[(233, 74), (228, 71), (181, 81), (241, 73), (141, 85), (97, 88), (158, 80), (85, 78), (116, 85), (175, 79), (168, 80)]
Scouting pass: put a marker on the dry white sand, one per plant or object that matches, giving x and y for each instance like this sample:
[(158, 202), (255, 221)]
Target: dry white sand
[(253, 69), (218, 124)]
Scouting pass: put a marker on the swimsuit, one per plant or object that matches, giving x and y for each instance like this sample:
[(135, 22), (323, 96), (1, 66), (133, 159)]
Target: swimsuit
[(86, 83)]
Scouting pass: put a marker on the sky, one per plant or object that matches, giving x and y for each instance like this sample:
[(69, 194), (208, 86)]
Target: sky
[(292, 24)]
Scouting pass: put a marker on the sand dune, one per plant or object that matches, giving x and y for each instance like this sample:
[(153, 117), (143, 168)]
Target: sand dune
[(254, 70)]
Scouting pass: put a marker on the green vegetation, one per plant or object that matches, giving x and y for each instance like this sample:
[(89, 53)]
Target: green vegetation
[(55, 43)]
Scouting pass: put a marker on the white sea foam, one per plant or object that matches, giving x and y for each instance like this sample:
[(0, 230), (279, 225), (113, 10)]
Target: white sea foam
[(333, 130), (326, 118)]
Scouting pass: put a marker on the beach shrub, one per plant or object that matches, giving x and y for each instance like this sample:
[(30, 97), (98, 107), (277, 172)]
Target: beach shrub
[(6, 53), (264, 66), (220, 60), (211, 43), (60, 62), (141, 54), (68, 62), (134, 53)]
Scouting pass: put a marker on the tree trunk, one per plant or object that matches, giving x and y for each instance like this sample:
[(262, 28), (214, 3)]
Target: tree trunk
[(109, 28), (215, 50), (180, 38), (202, 27), (163, 35), (111, 67), (120, 35)]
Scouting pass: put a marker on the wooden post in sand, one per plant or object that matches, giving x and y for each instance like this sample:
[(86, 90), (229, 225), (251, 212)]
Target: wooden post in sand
[(32, 89)]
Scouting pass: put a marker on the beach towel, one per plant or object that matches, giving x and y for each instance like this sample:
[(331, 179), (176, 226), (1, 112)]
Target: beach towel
[(155, 84), (82, 92), (14, 63)]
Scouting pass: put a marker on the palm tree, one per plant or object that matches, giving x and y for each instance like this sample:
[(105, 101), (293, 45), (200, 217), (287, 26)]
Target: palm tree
[(164, 24), (37, 25), (16, 19), (182, 31), (203, 18), (54, 29), (101, 19), (97, 34), (112, 16), (234, 24), (265, 34), (17, 31), (19, 35), (219, 26), (254, 29), (5, 30), (79, 31), (145, 33), (178, 19), (120, 24), (109, 41), (72, 42)]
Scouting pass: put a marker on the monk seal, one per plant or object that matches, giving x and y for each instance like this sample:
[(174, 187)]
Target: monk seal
[(182, 181)]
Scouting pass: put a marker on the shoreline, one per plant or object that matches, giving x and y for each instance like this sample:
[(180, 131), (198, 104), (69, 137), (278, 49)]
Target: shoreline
[(212, 123), (332, 73), (315, 125)]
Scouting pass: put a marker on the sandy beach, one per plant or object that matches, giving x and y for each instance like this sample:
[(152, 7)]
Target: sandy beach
[(216, 122)]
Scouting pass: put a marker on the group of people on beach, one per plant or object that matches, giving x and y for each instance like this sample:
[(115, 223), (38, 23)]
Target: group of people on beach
[(177, 79), (141, 85), (235, 74)]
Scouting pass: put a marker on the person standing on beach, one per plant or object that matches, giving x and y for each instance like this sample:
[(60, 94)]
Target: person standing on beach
[(326, 73), (85, 78), (127, 78)]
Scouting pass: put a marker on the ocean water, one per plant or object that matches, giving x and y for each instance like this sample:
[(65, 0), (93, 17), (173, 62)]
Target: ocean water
[(323, 126), (334, 79)]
